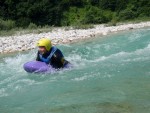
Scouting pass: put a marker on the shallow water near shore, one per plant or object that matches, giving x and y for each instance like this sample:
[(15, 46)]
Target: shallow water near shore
[(111, 75)]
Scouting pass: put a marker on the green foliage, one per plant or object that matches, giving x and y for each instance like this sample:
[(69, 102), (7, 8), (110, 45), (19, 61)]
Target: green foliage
[(73, 16), (23, 22), (86, 15), (144, 12), (69, 12), (6, 25), (32, 26), (127, 14), (94, 15), (112, 23)]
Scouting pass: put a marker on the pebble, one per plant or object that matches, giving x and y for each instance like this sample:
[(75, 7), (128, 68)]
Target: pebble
[(61, 36)]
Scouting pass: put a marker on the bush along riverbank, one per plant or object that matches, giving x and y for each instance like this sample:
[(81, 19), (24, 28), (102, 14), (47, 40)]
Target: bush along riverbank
[(30, 14)]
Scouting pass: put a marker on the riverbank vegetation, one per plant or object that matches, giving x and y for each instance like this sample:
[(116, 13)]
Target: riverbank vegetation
[(31, 14)]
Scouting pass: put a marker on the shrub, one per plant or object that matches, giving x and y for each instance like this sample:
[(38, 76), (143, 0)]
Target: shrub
[(127, 14), (32, 26), (144, 12), (23, 22), (94, 15), (6, 24), (73, 17)]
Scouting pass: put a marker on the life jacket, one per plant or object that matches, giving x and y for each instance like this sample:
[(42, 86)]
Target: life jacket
[(48, 59)]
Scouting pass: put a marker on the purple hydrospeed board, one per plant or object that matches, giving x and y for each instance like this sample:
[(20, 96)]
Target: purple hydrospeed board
[(37, 67)]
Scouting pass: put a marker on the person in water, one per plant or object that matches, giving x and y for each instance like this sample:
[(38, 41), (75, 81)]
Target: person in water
[(50, 54)]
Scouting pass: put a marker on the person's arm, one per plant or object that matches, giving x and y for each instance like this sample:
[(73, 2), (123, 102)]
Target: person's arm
[(59, 56), (37, 57)]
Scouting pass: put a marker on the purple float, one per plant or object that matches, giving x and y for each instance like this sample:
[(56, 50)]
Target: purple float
[(37, 67), (40, 67)]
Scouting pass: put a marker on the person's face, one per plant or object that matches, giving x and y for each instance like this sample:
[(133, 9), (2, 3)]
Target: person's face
[(42, 49)]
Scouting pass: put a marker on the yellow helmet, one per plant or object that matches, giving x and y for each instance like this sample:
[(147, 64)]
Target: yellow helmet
[(45, 42)]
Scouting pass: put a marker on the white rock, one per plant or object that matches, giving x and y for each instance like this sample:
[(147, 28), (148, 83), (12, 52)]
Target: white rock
[(59, 35)]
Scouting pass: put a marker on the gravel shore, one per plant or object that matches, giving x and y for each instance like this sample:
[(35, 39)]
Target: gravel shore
[(61, 36)]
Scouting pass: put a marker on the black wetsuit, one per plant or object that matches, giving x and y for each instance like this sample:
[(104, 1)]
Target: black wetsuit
[(57, 60)]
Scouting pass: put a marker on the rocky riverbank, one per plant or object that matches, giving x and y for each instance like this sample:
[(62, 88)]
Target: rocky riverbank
[(61, 36)]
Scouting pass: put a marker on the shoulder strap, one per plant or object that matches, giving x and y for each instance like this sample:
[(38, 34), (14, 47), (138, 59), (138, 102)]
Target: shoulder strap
[(52, 52), (48, 59)]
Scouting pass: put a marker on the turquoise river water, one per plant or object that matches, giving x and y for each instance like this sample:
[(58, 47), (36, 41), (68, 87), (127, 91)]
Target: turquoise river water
[(111, 74)]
